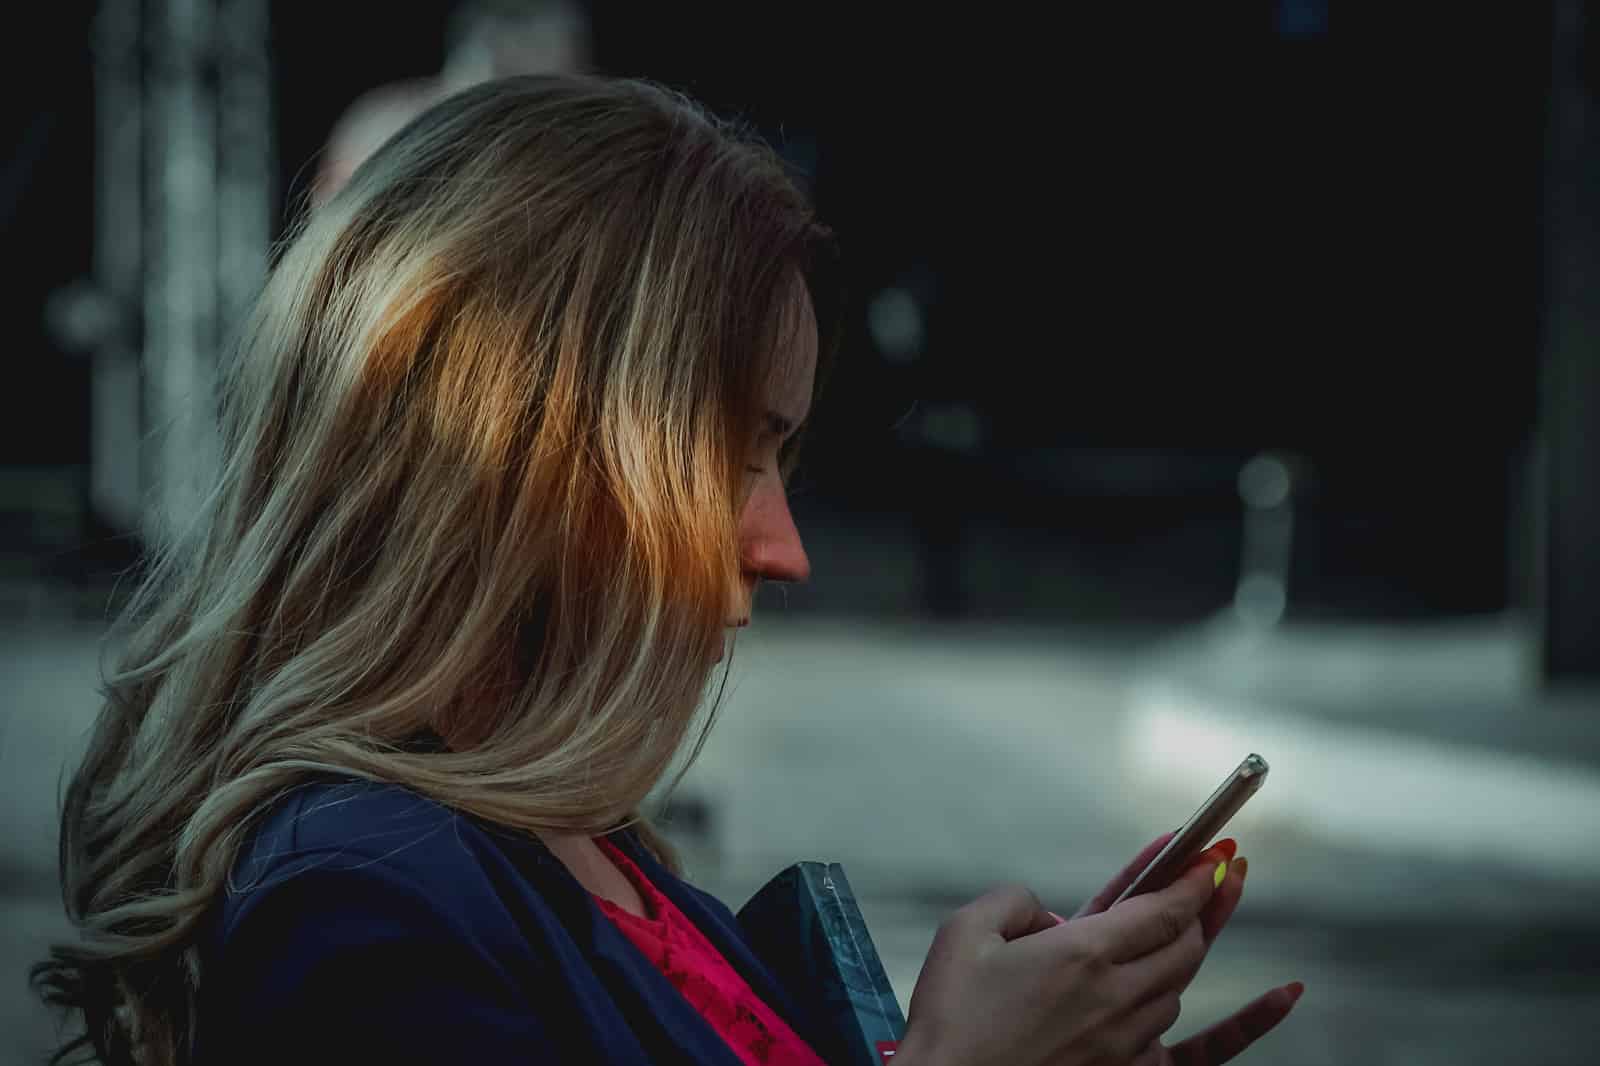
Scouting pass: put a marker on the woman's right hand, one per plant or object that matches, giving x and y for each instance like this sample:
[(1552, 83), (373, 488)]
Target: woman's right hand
[(1005, 983)]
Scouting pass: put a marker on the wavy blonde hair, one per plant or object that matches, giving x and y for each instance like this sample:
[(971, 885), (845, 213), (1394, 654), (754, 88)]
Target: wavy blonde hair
[(483, 440)]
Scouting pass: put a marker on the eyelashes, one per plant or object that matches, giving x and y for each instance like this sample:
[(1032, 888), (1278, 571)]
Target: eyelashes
[(784, 451)]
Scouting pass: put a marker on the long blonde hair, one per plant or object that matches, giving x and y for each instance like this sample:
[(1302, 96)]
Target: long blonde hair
[(483, 440)]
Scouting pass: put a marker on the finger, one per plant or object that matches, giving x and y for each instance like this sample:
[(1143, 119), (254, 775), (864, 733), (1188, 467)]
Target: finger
[(1142, 1026), (1141, 924), (1176, 964), (1010, 911), (1108, 895), (1179, 863), (1168, 969), (1219, 908), (1153, 1055), (1227, 1038)]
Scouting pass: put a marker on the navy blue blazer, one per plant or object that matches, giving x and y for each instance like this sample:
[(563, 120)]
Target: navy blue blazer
[(367, 923)]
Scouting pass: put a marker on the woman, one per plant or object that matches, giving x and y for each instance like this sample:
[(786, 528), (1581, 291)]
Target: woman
[(504, 453)]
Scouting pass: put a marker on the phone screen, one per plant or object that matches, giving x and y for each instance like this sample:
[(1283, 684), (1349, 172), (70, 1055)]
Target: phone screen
[(1201, 828)]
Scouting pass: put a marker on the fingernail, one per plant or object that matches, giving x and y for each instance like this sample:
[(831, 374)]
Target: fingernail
[(1296, 990), (1056, 916), (1242, 864), (1222, 871), (1227, 846)]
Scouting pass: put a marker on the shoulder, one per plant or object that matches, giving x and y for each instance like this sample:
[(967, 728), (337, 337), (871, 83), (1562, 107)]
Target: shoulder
[(368, 908), (362, 821), (359, 843), (344, 814)]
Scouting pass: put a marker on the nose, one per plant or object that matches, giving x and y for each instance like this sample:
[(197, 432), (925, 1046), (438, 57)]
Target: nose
[(770, 547)]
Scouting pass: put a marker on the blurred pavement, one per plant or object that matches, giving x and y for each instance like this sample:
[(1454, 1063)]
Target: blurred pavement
[(1419, 855), (1416, 856)]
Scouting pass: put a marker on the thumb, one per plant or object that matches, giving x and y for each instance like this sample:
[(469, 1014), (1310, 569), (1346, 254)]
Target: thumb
[(1011, 911)]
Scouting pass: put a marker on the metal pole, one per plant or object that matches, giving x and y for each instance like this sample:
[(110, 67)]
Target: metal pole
[(116, 404), (181, 285), (1570, 393), (246, 159)]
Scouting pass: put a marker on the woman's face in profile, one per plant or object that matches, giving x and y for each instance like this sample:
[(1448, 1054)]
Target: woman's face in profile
[(769, 543)]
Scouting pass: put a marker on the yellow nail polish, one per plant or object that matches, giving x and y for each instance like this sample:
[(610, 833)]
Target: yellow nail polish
[(1222, 871)]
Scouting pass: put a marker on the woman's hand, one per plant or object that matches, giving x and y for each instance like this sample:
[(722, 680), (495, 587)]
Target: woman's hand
[(1008, 982), (1227, 1038), (1218, 909)]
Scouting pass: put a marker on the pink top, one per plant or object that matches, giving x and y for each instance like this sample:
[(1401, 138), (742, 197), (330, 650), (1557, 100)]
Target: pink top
[(707, 980)]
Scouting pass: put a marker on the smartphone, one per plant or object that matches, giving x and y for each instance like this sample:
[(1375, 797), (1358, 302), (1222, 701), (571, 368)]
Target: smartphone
[(1198, 832)]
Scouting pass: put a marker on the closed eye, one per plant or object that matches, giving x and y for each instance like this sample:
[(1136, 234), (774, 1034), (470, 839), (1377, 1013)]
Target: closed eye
[(780, 428)]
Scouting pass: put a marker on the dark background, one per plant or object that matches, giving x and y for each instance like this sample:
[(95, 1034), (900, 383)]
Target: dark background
[(1147, 245), (1151, 244)]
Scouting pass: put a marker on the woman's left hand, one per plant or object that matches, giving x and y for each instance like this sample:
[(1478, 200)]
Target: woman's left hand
[(1216, 912), (1220, 1042)]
